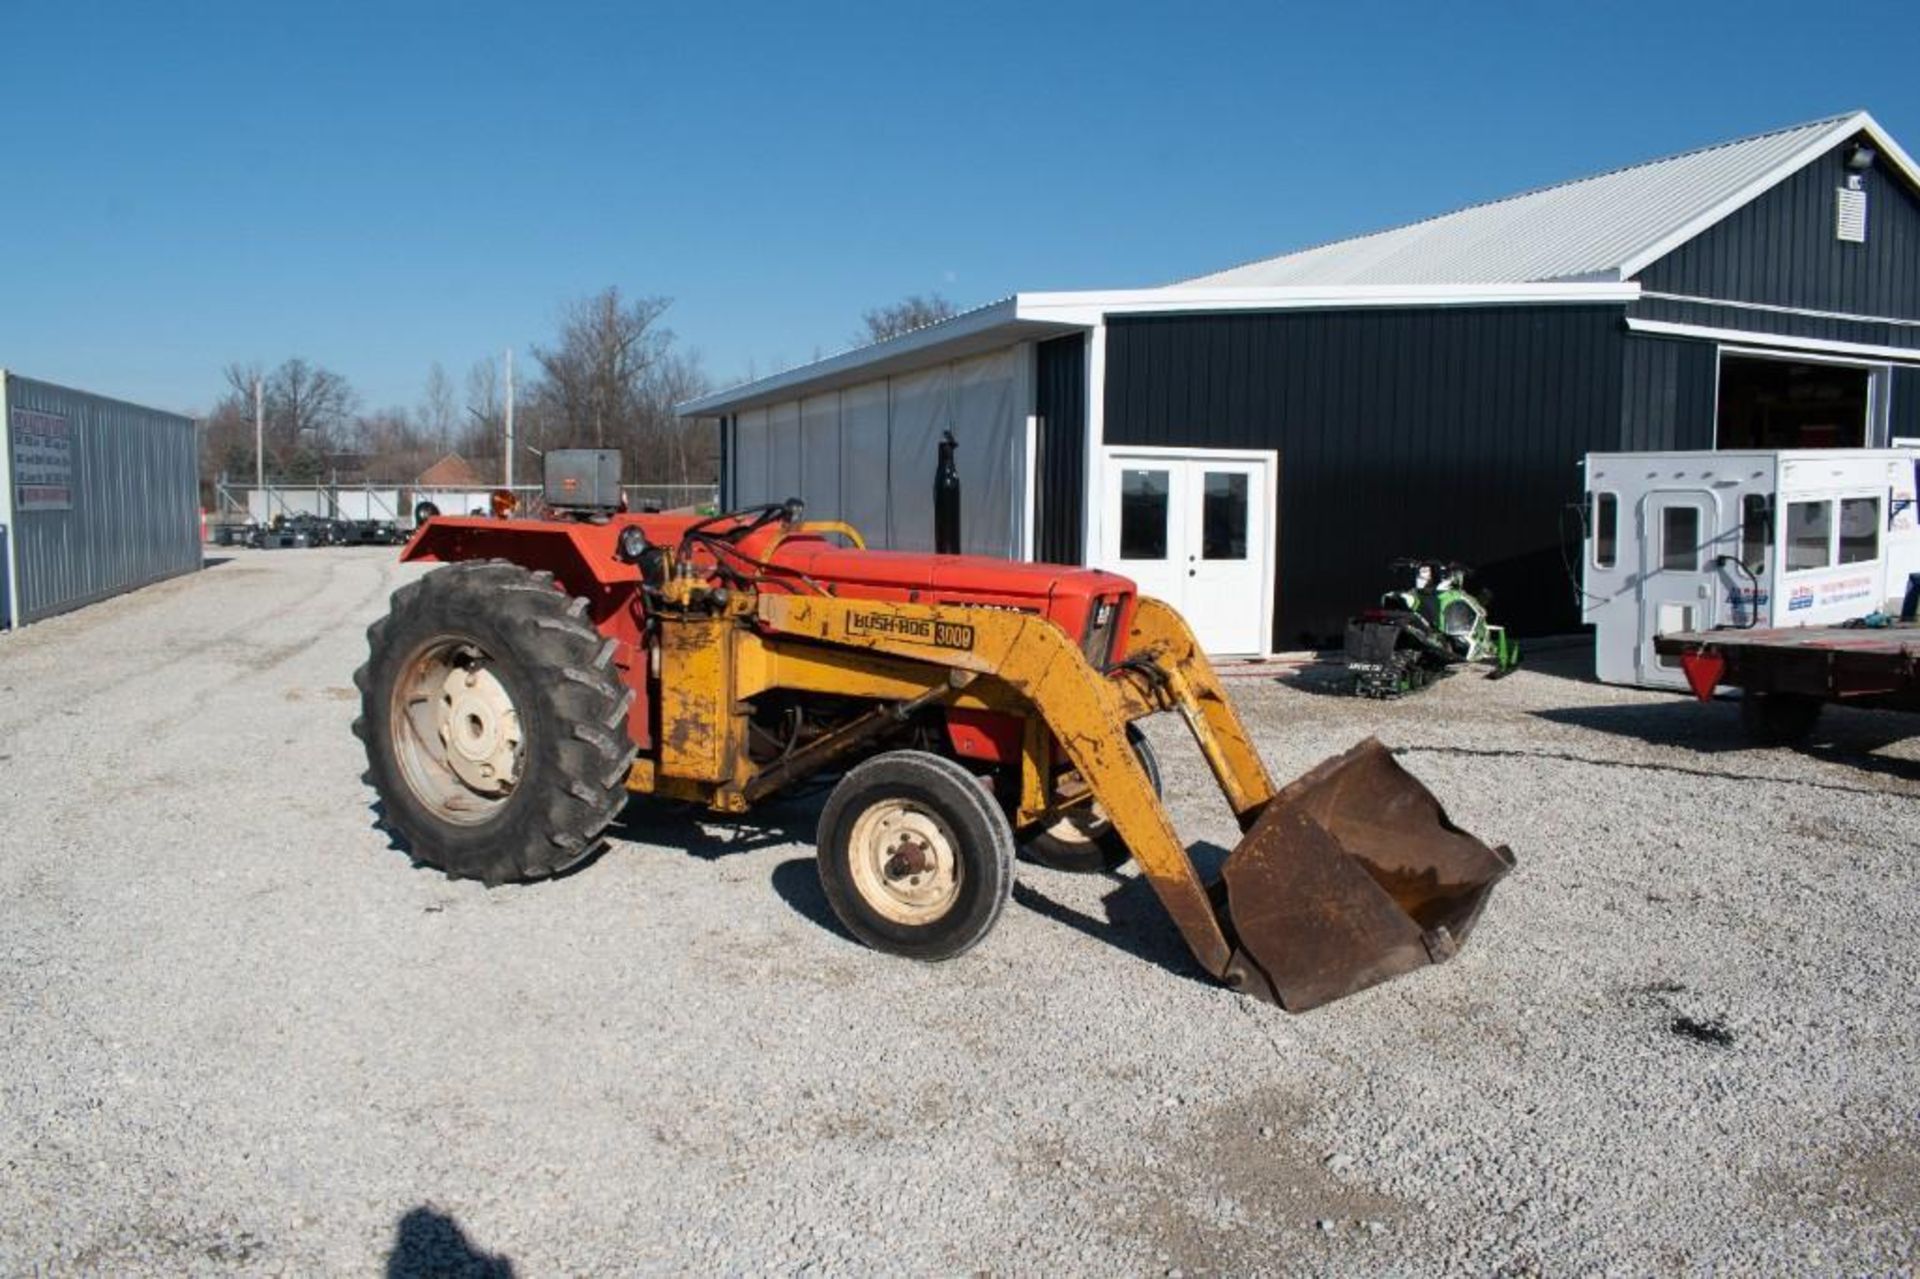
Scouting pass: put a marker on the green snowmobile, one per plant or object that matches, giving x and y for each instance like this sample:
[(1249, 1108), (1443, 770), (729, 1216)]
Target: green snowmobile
[(1418, 634)]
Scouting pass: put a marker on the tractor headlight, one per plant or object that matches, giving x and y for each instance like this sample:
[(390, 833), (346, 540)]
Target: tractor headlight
[(1102, 620), (632, 544)]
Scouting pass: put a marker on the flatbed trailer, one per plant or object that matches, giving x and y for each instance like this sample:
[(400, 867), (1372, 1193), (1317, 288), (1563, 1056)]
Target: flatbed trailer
[(1786, 674)]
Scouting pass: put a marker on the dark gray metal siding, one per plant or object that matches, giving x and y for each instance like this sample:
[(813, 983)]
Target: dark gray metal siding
[(1903, 413), (135, 517), (1780, 250), (1060, 462), (1452, 432), (1667, 393)]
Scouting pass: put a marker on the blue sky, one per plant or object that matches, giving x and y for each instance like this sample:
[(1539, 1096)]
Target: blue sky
[(380, 186)]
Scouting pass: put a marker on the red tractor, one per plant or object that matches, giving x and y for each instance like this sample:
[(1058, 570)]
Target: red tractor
[(517, 698)]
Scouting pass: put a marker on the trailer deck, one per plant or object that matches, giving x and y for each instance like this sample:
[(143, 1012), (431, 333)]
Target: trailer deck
[(1857, 664)]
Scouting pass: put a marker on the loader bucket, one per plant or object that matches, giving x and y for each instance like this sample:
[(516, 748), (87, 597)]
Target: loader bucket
[(1350, 876)]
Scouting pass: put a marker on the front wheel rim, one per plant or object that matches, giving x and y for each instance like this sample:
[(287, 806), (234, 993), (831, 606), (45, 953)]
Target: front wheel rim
[(457, 734), (905, 862)]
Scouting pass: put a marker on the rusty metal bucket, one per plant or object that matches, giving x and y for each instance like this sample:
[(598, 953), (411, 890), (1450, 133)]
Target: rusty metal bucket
[(1351, 875)]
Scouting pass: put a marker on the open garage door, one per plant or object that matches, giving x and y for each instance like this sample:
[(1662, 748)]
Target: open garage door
[(1795, 402)]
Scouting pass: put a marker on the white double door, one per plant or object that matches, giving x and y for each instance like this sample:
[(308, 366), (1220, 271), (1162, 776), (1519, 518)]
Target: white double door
[(1195, 528)]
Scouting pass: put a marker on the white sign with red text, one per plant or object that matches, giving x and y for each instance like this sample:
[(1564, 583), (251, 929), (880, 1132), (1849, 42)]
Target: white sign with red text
[(42, 461)]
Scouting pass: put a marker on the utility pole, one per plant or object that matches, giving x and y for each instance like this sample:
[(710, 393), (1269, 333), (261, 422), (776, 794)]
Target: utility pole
[(259, 442), (509, 417)]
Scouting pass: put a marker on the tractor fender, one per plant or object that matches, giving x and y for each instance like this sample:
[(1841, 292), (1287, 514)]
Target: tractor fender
[(580, 556)]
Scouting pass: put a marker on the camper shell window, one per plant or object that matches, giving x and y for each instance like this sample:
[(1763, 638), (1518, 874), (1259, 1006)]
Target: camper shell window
[(1680, 539), (1606, 529), (1809, 535), (1859, 529), (1756, 530)]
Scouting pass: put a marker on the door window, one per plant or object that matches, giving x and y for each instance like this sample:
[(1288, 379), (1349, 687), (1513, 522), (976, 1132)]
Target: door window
[(1223, 518), (1143, 515), (1809, 535), (1756, 530), (1680, 538), (1859, 529)]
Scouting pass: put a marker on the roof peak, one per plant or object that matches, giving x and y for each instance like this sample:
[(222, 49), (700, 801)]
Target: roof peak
[(1713, 172)]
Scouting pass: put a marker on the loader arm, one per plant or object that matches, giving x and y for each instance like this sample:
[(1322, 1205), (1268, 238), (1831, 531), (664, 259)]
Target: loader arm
[(1086, 711), (1349, 876)]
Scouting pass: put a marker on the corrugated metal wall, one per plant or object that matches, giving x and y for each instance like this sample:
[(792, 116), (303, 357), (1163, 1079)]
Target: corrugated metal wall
[(135, 516), (1667, 393), (1060, 462), (867, 453), (1903, 414), (1452, 432)]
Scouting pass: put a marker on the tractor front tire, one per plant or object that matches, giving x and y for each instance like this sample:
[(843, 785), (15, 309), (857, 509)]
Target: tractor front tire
[(494, 722), (1778, 719), (915, 857)]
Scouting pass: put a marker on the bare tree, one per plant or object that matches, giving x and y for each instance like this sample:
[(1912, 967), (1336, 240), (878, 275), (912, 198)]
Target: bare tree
[(309, 417), (439, 412), (612, 381), (916, 311), (595, 376), (481, 433)]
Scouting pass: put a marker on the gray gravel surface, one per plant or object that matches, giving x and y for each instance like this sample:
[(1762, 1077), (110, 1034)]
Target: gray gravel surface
[(239, 1031)]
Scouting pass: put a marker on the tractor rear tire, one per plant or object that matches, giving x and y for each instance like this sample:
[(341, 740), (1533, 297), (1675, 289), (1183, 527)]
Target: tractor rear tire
[(1084, 842), (1778, 719), (915, 856), (495, 723)]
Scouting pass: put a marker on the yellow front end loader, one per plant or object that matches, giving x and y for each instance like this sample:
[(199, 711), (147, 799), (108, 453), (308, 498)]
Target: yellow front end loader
[(516, 698)]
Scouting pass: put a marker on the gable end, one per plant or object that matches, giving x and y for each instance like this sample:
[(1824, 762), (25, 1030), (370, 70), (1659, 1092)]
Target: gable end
[(1781, 249)]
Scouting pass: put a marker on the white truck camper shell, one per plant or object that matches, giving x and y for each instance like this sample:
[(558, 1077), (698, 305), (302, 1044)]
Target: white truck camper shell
[(1691, 541)]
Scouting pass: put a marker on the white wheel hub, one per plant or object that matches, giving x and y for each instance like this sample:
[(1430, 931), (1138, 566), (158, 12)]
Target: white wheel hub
[(479, 729), (905, 862)]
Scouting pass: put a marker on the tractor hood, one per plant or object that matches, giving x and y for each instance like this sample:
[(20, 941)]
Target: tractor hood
[(956, 577), (1072, 598)]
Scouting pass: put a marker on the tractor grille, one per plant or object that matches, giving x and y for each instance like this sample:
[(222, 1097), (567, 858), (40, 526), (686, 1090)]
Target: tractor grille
[(1102, 621)]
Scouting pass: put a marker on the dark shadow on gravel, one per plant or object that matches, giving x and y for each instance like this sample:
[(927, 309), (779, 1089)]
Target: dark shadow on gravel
[(789, 819), (1906, 770), (427, 1242), (797, 880), (1136, 922), (1322, 677), (1843, 734)]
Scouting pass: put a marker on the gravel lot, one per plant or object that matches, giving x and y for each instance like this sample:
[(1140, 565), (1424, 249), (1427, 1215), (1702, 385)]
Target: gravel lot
[(239, 1031)]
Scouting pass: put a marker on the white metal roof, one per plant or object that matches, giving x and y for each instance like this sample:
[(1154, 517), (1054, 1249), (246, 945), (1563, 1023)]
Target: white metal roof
[(1580, 242), (1601, 228)]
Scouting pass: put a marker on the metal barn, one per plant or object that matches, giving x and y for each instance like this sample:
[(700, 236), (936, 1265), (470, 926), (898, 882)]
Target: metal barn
[(1255, 445), (97, 497)]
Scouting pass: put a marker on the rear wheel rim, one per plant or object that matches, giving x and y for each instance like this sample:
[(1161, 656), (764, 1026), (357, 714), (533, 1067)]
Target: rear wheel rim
[(905, 862), (458, 737), (1080, 829)]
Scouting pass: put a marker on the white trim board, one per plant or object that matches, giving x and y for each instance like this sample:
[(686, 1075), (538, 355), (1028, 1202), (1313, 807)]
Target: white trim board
[(1776, 341), (1770, 309)]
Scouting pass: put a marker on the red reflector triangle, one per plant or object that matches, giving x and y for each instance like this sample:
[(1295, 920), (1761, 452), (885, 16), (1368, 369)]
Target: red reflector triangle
[(1703, 672)]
